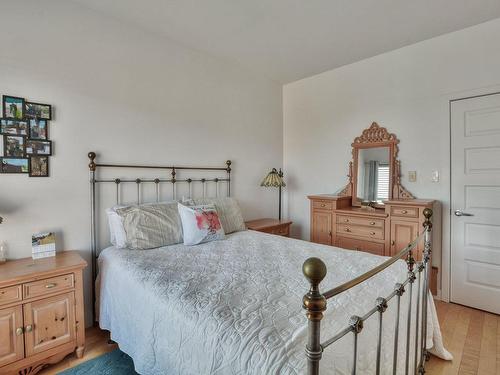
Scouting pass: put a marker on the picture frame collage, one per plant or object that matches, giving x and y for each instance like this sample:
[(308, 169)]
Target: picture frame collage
[(24, 127)]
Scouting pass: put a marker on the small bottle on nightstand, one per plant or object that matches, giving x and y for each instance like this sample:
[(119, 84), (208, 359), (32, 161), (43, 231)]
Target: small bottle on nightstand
[(3, 252)]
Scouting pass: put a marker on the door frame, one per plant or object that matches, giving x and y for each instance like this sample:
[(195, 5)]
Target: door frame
[(445, 269)]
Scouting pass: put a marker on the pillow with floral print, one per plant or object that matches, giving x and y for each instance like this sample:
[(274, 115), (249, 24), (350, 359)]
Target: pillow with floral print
[(200, 224)]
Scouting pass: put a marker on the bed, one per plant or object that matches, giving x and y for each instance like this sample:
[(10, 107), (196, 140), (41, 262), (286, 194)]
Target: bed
[(236, 306)]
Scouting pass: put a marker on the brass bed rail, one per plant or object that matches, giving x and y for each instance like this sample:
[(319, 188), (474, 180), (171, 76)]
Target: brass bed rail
[(315, 304)]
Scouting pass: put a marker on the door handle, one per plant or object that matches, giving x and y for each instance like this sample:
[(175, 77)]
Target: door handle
[(461, 213)]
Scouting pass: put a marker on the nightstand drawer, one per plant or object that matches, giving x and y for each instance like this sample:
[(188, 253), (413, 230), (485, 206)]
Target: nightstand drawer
[(282, 230), (11, 294), (47, 286)]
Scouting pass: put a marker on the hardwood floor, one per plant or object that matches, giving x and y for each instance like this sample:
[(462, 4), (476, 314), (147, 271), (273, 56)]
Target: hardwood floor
[(472, 336), (95, 345)]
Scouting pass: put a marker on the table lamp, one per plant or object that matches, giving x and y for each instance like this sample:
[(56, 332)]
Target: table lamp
[(275, 179)]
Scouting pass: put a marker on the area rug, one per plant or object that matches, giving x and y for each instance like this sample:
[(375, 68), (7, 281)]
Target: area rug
[(112, 363)]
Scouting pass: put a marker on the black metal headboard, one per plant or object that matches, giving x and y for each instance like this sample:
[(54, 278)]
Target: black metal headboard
[(174, 178)]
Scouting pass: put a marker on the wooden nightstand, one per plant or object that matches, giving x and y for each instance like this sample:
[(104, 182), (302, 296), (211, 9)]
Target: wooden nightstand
[(273, 226), (41, 312)]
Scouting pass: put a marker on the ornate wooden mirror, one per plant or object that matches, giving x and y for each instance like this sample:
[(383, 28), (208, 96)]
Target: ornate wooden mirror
[(374, 174)]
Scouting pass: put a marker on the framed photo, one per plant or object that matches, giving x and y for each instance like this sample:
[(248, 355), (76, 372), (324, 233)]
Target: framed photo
[(13, 127), (36, 147), (14, 146), (39, 166), (15, 165), (13, 107), (39, 110), (38, 128)]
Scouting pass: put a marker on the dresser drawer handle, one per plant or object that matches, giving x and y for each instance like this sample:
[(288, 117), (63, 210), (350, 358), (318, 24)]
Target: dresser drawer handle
[(347, 229), (372, 233), (19, 331), (29, 328), (346, 220), (51, 285), (372, 223), (404, 212), (322, 205)]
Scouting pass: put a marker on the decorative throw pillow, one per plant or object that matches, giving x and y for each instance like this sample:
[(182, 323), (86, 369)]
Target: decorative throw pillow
[(229, 212), (151, 225), (200, 224)]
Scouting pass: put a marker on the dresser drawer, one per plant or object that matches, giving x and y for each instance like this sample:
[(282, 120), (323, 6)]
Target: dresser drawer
[(402, 211), (360, 245), (11, 294), (356, 220), (377, 233), (322, 205), (46, 286)]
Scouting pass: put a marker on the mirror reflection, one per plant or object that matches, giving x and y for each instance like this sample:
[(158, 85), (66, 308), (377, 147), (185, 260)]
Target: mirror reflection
[(373, 174)]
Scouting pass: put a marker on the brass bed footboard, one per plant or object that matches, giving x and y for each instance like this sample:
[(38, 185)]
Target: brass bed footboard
[(315, 304)]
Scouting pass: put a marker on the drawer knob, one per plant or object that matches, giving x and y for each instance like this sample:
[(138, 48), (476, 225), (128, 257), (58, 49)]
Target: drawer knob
[(322, 205), (51, 285), (19, 331), (346, 220), (29, 328), (372, 223), (347, 229), (393, 243), (372, 233), (404, 212)]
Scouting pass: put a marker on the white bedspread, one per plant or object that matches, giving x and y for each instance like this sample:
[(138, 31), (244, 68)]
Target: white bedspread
[(234, 307)]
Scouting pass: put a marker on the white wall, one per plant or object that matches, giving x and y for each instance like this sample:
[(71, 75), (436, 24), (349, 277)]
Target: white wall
[(131, 96), (407, 91)]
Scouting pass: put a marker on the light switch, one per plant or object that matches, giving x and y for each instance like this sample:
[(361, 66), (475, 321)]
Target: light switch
[(435, 176), (412, 176)]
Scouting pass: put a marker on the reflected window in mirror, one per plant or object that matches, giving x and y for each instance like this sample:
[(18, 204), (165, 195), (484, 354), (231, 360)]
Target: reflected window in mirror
[(373, 178)]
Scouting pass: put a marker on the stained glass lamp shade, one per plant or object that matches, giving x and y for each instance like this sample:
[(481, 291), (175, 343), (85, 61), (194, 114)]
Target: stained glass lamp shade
[(275, 179)]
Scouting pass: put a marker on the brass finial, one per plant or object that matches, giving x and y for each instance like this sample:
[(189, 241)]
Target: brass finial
[(427, 214), (314, 270), (228, 163), (92, 164), (314, 302)]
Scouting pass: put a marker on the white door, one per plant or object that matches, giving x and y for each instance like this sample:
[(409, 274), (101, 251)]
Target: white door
[(475, 202)]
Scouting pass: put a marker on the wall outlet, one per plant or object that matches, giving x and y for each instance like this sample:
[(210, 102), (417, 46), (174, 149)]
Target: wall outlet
[(435, 176), (412, 176)]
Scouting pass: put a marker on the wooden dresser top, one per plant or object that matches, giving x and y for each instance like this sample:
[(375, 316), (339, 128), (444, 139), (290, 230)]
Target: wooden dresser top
[(19, 270)]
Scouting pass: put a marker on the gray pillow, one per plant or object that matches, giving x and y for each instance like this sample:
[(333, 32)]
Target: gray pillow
[(151, 225), (229, 213)]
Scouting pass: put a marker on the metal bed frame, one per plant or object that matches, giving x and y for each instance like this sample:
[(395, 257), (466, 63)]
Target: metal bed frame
[(174, 180), (314, 270), (315, 303)]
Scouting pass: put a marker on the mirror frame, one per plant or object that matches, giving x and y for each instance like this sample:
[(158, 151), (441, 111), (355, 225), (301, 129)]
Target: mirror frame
[(376, 136)]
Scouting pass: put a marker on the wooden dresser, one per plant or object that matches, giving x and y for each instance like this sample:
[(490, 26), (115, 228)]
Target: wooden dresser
[(381, 231), (41, 312), (373, 212)]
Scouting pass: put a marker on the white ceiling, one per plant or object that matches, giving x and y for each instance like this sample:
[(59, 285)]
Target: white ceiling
[(287, 40)]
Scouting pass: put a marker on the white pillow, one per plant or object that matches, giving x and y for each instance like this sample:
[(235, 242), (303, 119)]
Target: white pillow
[(117, 234), (200, 224)]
